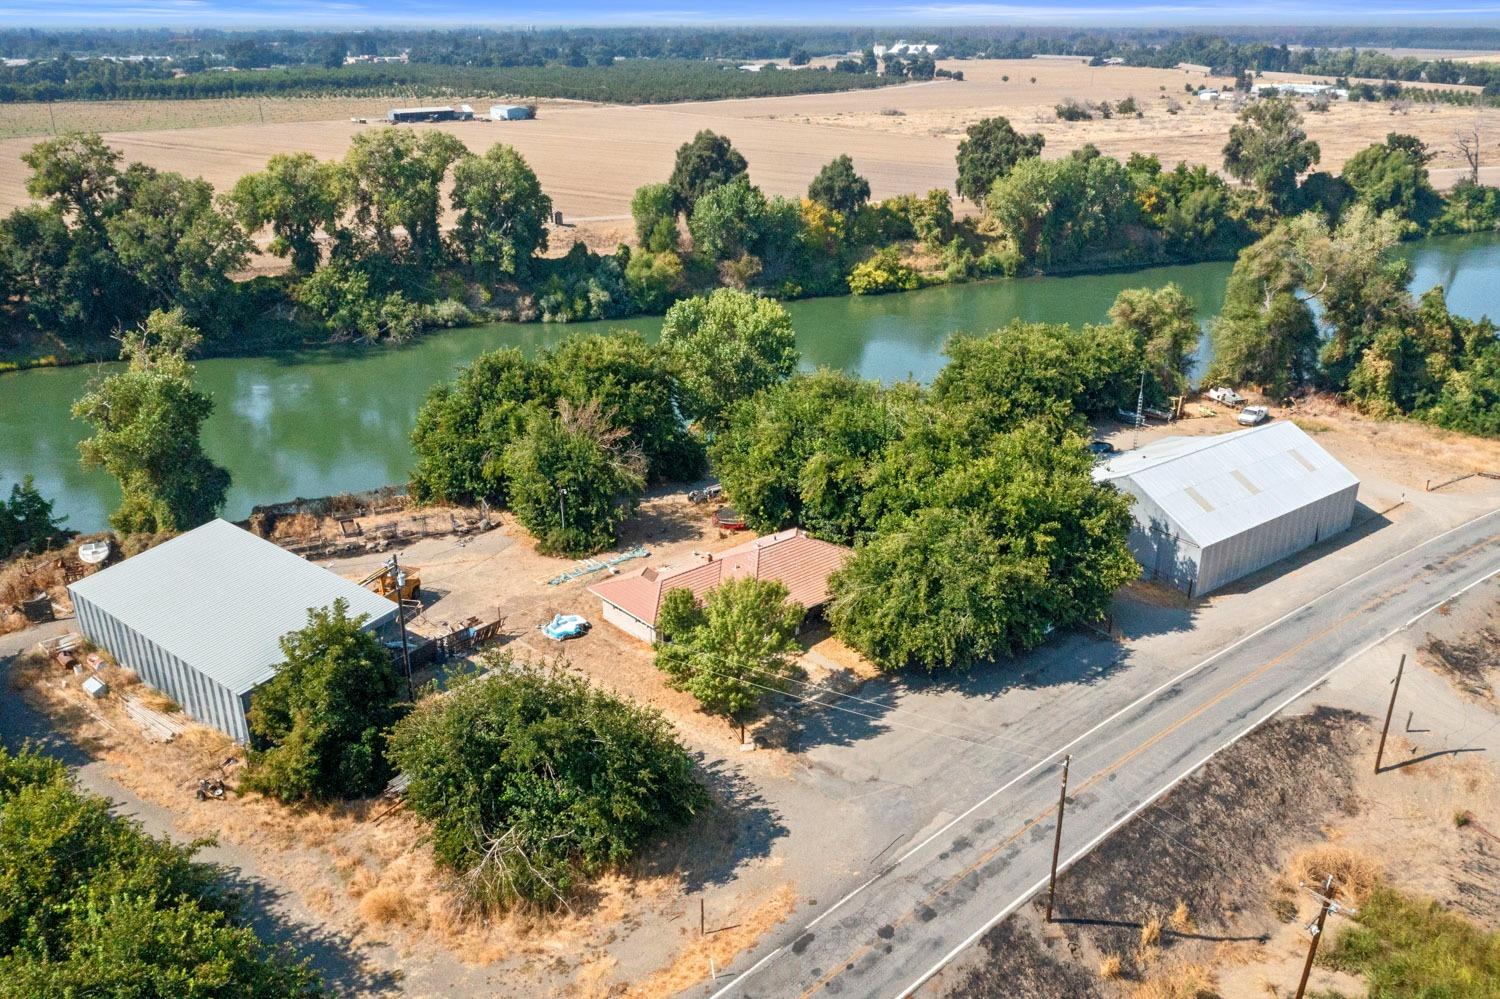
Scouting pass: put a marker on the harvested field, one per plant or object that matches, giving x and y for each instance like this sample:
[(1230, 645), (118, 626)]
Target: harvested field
[(591, 157)]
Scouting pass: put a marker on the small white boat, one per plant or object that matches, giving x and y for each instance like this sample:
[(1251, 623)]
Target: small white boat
[(93, 552)]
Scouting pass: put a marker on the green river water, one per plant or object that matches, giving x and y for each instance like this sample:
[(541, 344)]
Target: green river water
[(319, 422)]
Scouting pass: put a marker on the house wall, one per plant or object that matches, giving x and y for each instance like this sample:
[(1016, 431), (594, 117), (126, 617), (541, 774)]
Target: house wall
[(1232, 558), (201, 698), (629, 624)]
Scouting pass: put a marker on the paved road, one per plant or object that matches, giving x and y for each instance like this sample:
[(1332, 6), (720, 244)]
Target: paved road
[(936, 895)]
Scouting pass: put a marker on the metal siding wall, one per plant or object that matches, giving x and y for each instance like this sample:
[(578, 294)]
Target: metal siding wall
[(1294, 531), (1164, 557), (201, 698)]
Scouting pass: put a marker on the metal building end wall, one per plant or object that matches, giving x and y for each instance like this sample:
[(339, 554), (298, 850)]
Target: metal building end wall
[(201, 698)]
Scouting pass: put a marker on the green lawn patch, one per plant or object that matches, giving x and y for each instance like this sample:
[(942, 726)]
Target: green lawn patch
[(1413, 948)]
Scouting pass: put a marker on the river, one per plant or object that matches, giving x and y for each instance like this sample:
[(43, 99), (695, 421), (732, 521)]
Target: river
[(319, 422)]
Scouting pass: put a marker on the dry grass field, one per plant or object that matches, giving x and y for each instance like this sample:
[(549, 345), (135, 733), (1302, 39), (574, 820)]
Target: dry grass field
[(591, 157)]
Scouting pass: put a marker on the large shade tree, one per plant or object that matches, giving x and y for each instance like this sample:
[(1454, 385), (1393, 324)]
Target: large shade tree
[(1269, 149), (703, 163), (573, 478), (839, 187), (323, 717), (797, 453), (93, 906), (1163, 322), (146, 421), (727, 346), (736, 648), (502, 212), (464, 427), (298, 196), (1266, 335), (990, 149), (394, 177)]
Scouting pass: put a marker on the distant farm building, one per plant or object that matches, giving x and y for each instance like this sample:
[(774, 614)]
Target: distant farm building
[(1209, 510), (798, 561), (905, 48), (1301, 90), (403, 116), (200, 617), (511, 112), (1208, 96)]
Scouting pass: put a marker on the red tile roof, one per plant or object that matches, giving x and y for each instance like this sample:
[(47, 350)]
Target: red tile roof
[(799, 562)]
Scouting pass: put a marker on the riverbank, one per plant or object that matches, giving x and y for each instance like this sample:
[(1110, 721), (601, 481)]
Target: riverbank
[(329, 419), (59, 355)]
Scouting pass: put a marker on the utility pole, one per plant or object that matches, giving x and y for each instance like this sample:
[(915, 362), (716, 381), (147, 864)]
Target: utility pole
[(393, 567), (1062, 801), (1140, 411), (1326, 904), (562, 506), (1390, 708)]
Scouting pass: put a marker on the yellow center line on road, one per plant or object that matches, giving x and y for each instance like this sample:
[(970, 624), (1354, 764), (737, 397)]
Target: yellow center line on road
[(1121, 761)]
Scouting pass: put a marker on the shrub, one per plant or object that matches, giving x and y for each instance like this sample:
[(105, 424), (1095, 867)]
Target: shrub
[(655, 280), (582, 285), (325, 712), (448, 312), (1071, 110), (1405, 946), (883, 272), (535, 782)]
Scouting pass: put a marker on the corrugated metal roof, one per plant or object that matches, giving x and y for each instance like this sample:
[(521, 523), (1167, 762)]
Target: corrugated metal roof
[(799, 562), (1220, 486), (219, 598)]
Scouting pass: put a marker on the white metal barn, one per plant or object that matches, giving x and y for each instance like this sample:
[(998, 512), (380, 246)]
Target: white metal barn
[(1209, 510), (200, 617)]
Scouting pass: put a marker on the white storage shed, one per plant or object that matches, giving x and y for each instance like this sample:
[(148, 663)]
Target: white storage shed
[(1209, 510), (200, 617)]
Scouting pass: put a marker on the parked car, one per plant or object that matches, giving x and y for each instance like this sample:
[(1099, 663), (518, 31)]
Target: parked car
[(565, 626), (1226, 395), (705, 494), (1101, 449), (1252, 415)]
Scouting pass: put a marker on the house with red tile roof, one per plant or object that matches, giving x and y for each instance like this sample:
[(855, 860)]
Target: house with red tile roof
[(792, 558)]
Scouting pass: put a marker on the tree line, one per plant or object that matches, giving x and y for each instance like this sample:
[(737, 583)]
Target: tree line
[(636, 81), (95, 906)]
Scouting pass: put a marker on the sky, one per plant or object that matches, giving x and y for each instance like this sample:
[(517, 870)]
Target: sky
[(1082, 13)]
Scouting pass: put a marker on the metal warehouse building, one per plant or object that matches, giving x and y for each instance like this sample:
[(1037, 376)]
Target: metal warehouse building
[(511, 112), (1209, 510), (200, 617)]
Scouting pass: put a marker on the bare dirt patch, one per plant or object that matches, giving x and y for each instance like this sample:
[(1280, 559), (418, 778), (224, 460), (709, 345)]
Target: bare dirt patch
[(1471, 662), (1200, 854)]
